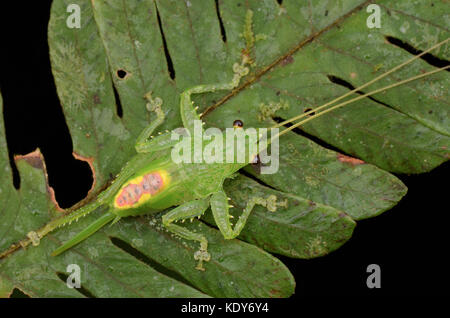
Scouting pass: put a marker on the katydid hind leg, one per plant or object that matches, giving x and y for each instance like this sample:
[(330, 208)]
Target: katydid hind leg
[(189, 210), (84, 234)]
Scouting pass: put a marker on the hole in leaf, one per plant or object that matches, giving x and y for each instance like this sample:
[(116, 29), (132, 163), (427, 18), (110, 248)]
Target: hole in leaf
[(222, 28), (15, 172), (119, 109), (170, 67), (344, 83), (249, 175), (17, 293), (309, 109), (12, 164), (301, 132), (147, 260), (33, 114), (81, 290), (428, 57), (121, 73)]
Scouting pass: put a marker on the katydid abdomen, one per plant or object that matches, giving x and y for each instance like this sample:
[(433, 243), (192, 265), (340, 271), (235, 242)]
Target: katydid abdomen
[(161, 184)]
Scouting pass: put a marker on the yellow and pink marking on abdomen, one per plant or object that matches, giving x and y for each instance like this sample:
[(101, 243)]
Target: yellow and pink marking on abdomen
[(140, 189)]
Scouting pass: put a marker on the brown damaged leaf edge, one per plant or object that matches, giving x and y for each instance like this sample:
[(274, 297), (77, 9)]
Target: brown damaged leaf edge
[(7, 294), (350, 160), (282, 59), (36, 160), (90, 162)]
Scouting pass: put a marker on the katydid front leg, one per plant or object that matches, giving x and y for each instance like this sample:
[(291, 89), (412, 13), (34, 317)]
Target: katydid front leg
[(143, 144), (187, 109), (220, 210), (188, 113)]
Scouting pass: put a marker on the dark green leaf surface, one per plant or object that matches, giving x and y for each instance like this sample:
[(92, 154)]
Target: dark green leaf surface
[(297, 48)]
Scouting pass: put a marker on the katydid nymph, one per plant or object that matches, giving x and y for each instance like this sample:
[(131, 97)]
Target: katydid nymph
[(148, 187)]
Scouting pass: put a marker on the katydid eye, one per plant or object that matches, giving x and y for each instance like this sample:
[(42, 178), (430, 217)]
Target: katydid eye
[(238, 123)]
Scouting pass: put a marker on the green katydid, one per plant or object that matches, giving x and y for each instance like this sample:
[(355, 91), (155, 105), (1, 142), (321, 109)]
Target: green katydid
[(144, 186)]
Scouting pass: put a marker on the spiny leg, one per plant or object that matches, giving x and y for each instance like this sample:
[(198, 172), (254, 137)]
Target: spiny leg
[(188, 112), (84, 234), (187, 109), (220, 210), (161, 142), (189, 210)]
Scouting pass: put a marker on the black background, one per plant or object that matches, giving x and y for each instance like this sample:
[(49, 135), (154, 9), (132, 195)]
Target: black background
[(409, 242)]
